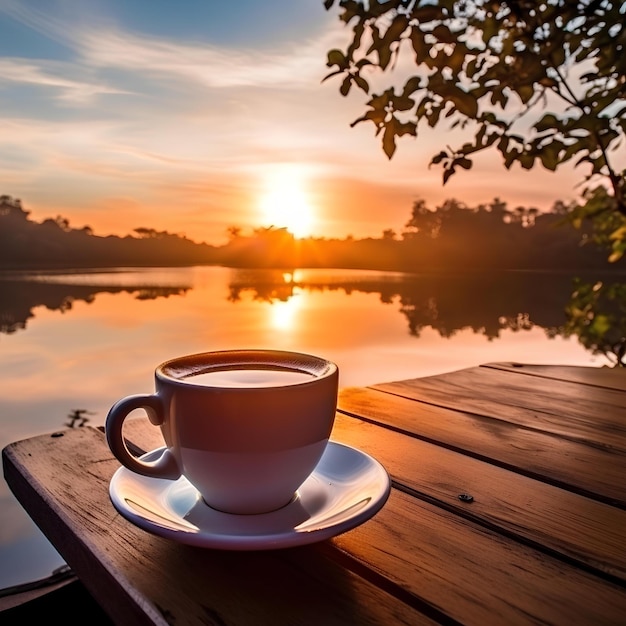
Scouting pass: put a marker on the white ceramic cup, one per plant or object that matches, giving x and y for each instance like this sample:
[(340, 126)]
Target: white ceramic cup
[(245, 427)]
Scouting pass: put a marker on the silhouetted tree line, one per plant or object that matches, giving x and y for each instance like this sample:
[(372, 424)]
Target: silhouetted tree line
[(450, 237), (53, 243)]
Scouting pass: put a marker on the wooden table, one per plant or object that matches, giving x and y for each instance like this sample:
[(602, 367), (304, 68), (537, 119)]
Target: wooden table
[(539, 537)]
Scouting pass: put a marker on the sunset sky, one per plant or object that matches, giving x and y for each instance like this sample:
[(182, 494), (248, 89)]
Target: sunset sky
[(198, 115)]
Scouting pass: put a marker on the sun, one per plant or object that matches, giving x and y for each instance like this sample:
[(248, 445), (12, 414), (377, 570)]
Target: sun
[(285, 203)]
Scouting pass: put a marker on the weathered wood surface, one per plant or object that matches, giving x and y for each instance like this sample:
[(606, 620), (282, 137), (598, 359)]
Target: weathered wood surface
[(563, 408), (543, 541), (611, 378), (583, 468), (140, 578)]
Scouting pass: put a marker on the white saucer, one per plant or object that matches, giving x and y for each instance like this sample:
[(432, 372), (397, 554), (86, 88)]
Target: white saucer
[(346, 488)]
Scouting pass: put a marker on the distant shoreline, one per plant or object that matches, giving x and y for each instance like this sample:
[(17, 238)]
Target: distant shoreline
[(455, 241), (102, 269)]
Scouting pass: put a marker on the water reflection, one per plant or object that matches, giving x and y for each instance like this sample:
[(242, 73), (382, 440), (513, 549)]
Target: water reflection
[(283, 312), (594, 308), (21, 293)]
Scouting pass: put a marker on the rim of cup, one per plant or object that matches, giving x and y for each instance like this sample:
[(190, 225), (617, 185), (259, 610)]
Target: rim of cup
[(181, 370)]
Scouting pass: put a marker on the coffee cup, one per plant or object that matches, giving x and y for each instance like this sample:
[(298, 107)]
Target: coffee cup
[(245, 427)]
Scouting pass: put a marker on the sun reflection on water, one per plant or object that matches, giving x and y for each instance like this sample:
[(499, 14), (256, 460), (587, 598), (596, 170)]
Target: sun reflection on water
[(284, 313)]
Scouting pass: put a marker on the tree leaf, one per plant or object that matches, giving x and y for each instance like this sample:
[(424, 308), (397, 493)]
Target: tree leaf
[(457, 58), (389, 140), (376, 115), (526, 160), (547, 122), (510, 157), (419, 45), (428, 13), (443, 34), (438, 158), (525, 92), (331, 75), (499, 97), (491, 139), (406, 128), (447, 173), (619, 234), (351, 9), (412, 85), (433, 116), (337, 57), (362, 83), (345, 85), (546, 81), (464, 102), (403, 103), (471, 67), (384, 55), (549, 156), (490, 29), (380, 101), (398, 26)]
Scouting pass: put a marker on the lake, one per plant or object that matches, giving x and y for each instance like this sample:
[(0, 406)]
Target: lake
[(72, 343)]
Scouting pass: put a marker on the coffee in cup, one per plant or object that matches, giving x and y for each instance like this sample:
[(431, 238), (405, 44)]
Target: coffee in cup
[(245, 427)]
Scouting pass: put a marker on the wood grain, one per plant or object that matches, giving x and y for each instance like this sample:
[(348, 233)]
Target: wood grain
[(139, 578), (583, 413), (578, 528), (477, 576), (464, 571), (596, 472), (609, 377)]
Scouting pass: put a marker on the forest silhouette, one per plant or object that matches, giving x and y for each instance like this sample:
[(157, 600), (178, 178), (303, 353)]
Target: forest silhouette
[(451, 238), (518, 268)]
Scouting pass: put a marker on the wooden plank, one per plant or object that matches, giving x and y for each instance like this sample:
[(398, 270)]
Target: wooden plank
[(466, 571), (577, 528), (474, 575), (436, 558), (581, 413), (139, 578), (595, 472), (609, 377)]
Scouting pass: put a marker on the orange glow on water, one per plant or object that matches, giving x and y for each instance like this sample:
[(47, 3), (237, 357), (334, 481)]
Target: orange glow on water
[(283, 315)]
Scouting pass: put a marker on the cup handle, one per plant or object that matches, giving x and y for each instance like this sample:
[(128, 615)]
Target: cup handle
[(166, 465)]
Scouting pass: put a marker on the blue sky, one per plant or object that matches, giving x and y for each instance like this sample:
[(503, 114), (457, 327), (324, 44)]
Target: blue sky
[(194, 116)]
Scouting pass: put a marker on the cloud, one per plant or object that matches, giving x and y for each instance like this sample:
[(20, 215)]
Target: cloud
[(101, 44), (49, 74), (205, 65)]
